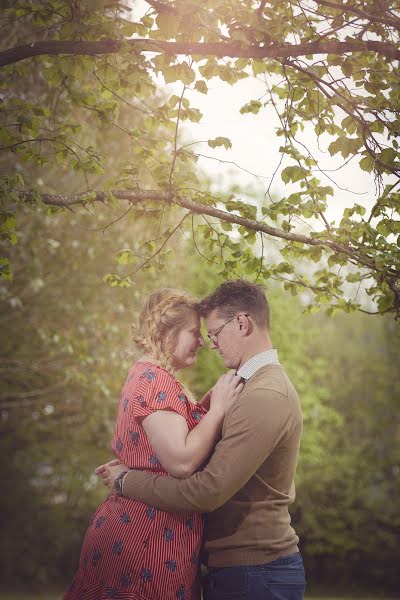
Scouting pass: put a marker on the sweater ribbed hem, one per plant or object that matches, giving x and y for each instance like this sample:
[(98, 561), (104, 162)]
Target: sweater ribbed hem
[(246, 557)]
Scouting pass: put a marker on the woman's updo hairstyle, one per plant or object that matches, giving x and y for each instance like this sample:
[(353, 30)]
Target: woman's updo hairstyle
[(164, 314)]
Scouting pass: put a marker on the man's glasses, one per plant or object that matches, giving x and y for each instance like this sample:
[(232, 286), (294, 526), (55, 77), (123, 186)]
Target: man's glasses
[(213, 337)]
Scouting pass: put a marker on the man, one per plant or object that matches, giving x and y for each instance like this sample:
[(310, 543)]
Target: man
[(248, 483)]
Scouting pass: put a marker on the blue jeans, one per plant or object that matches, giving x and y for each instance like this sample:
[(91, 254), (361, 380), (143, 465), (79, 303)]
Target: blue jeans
[(281, 579)]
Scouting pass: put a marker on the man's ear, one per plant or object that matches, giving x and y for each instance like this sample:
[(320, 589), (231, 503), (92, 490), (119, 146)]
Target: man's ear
[(244, 324)]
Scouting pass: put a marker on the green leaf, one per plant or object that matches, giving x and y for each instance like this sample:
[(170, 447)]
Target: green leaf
[(345, 146), (181, 72), (367, 163), (201, 86), (125, 257), (349, 124), (347, 68), (386, 302), (168, 25), (5, 269), (226, 226), (316, 253), (210, 69), (246, 210), (258, 66), (293, 174), (220, 141), (251, 107)]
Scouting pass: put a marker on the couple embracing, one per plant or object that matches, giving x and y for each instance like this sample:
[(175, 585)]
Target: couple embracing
[(215, 477)]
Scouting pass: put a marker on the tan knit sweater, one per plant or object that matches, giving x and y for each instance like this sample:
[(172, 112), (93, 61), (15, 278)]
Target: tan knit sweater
[(247, 485)]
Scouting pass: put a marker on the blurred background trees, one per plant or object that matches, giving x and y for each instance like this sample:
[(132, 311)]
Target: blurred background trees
[(65, 353), (76, 287)]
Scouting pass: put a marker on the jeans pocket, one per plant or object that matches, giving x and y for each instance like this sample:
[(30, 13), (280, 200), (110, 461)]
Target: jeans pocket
[(226, 584), (284, 591)]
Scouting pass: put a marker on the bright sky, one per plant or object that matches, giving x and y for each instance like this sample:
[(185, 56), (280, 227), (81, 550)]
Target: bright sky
[(255, 146)]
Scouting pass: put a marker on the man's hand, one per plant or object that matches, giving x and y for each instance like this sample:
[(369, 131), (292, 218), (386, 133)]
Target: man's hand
[(110, 471)]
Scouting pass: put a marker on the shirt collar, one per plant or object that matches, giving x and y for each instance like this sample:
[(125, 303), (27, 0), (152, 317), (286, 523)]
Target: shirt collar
[(270, 357)]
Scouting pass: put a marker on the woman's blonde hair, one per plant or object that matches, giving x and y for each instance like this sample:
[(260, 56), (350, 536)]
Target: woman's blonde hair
[(164, 314)]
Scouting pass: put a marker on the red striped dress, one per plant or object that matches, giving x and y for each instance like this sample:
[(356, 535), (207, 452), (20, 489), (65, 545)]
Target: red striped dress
[(132, 551)]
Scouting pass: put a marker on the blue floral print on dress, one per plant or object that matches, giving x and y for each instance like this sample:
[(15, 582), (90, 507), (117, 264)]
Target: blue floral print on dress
[(117, 547), (171, 565), (119, 445), (134, 435), (189, 523), (181, 593), (154, 460), (111, 592), (150, 512), (141, 400), (96, 556), (100, 521), (125, 403), (149, 375), (146, 575), (126, 580), (182, 398), (196, 415), (125, 518), (161, 396), (168, 534)]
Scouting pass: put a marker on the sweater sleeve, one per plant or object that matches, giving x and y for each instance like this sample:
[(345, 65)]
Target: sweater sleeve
[(253, 427)]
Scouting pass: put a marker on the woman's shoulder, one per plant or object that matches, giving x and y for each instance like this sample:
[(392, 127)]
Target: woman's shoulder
[(152, 372)]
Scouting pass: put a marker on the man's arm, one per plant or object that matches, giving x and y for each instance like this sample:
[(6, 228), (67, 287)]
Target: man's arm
[(252, 428)]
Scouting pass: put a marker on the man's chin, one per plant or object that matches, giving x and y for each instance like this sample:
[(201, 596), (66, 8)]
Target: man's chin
[(227, 363)]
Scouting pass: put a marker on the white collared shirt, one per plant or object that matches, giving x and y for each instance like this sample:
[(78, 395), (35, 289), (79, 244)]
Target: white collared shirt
[(270, 357)]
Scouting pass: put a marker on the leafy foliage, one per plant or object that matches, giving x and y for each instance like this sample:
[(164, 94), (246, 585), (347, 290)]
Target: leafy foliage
[(66, 351), (327, 67)]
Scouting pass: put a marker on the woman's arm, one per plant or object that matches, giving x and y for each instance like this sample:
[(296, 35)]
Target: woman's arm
[(182, 452)]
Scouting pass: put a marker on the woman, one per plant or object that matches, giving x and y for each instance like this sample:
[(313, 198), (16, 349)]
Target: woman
[(133, 551)]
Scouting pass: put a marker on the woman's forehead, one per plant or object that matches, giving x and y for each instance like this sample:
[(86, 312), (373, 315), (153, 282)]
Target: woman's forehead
[(194, 319)]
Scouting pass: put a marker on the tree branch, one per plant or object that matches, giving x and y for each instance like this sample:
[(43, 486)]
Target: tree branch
[(137, 196), (260, 9), (361, 13), (217, 49)]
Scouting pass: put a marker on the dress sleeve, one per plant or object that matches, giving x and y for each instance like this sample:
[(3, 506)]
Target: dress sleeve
[(158, 390)]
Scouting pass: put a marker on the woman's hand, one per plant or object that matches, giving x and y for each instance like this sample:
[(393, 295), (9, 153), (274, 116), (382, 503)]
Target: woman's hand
[(110, 471), (205, 401), (225, 391)]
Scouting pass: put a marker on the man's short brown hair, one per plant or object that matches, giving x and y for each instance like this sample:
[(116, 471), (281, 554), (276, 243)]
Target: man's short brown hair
[(233, 297)]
